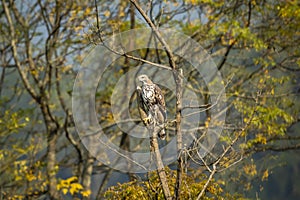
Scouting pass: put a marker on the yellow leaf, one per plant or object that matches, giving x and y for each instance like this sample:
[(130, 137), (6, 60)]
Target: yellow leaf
[(71, 179), (121, 14), (77, 186), (34, 72), (30, 177), (65, 190), (272, 91), (72, 190), (1, 155), (86, 193), (64, 183), (88, 10), (106, 13), (265, 175), (18, 178)]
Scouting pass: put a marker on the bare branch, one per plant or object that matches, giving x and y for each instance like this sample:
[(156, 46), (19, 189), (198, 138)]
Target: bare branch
[(157, 33), (24, 78), (216, 163), (130, 56), (179, 85)]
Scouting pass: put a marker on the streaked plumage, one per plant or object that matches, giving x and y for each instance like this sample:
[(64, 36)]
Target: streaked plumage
[(151, 103)]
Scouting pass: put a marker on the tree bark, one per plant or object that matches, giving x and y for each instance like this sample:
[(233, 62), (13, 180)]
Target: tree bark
[(179, 85), (51, 161), (159, 163), (87, 173)]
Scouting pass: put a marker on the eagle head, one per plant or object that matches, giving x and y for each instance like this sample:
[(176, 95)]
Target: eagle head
[(144, 79)]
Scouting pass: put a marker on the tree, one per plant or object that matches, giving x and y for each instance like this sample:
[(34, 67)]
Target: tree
[(236, 30), (37, 40), (255, 45)]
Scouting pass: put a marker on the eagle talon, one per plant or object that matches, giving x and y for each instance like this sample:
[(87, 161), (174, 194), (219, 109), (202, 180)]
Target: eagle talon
[(147, 120)]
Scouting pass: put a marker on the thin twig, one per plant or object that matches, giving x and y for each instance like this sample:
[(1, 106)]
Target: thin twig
[(215, 164), (157, 33), (122, 155)]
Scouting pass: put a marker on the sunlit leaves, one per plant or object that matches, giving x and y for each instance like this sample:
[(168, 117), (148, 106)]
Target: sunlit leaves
[(269, 121), (12, 121), (290, 9), (264, 35), (250, 169), (152, 189), (72, 186), (22, 171)]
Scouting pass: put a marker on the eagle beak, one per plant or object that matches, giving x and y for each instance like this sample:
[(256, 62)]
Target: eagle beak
[(140, 79)]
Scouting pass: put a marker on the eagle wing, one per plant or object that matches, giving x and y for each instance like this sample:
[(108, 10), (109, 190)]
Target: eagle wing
[(161, 104)]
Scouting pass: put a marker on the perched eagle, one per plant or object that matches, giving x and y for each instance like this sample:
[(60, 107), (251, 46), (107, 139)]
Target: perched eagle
[(151, 104)]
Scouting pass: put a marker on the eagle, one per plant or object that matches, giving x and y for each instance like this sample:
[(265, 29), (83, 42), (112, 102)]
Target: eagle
[(151, 103)]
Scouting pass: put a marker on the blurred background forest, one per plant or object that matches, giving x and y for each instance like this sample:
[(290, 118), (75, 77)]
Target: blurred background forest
[(255, 45)]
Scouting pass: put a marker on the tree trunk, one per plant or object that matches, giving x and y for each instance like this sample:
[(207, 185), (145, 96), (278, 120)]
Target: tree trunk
[(51, 162), (87, 174)]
